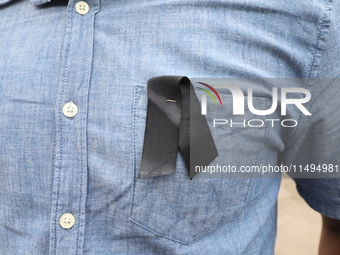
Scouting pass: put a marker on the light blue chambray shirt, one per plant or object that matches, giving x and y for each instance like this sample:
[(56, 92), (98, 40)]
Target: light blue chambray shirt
[(68, 183)]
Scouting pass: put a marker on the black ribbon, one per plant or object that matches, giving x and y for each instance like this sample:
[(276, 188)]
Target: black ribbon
[(174, 121)]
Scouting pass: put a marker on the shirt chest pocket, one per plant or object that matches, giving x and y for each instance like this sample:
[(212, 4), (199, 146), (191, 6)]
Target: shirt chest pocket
[(184, 210)]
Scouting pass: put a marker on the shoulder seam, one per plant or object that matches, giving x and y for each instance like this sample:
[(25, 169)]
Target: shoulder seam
[(323, 31)]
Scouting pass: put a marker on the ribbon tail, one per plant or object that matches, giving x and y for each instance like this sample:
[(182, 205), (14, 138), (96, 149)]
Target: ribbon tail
[(196, 143)]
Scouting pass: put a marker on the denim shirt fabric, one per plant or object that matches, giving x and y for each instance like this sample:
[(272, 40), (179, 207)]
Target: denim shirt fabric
[(88, 165)]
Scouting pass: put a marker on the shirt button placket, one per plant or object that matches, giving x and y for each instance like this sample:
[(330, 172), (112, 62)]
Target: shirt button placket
[(67, 228)]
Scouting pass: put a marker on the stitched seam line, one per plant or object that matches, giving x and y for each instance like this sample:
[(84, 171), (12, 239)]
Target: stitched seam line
[(83, 164), (63, 80), (137, 95), (324, 26)]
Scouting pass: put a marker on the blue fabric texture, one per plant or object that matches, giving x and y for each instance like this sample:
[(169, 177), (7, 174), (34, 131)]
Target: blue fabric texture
[(87, 165)]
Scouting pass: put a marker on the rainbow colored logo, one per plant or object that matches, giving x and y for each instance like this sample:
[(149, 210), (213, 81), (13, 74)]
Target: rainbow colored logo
[(210, 94)]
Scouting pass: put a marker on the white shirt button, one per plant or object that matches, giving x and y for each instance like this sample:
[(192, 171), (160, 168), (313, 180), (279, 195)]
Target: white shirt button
[(67, 221), (70, 109), (82, 7)]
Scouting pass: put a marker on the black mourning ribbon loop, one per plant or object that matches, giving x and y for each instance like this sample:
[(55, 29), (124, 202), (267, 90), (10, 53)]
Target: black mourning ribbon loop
[(174, 121)]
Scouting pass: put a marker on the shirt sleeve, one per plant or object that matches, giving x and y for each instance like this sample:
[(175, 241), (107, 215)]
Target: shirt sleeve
[(316, 144)]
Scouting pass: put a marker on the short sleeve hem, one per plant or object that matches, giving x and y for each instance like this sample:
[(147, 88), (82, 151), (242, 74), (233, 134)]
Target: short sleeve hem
[(327, 209)]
